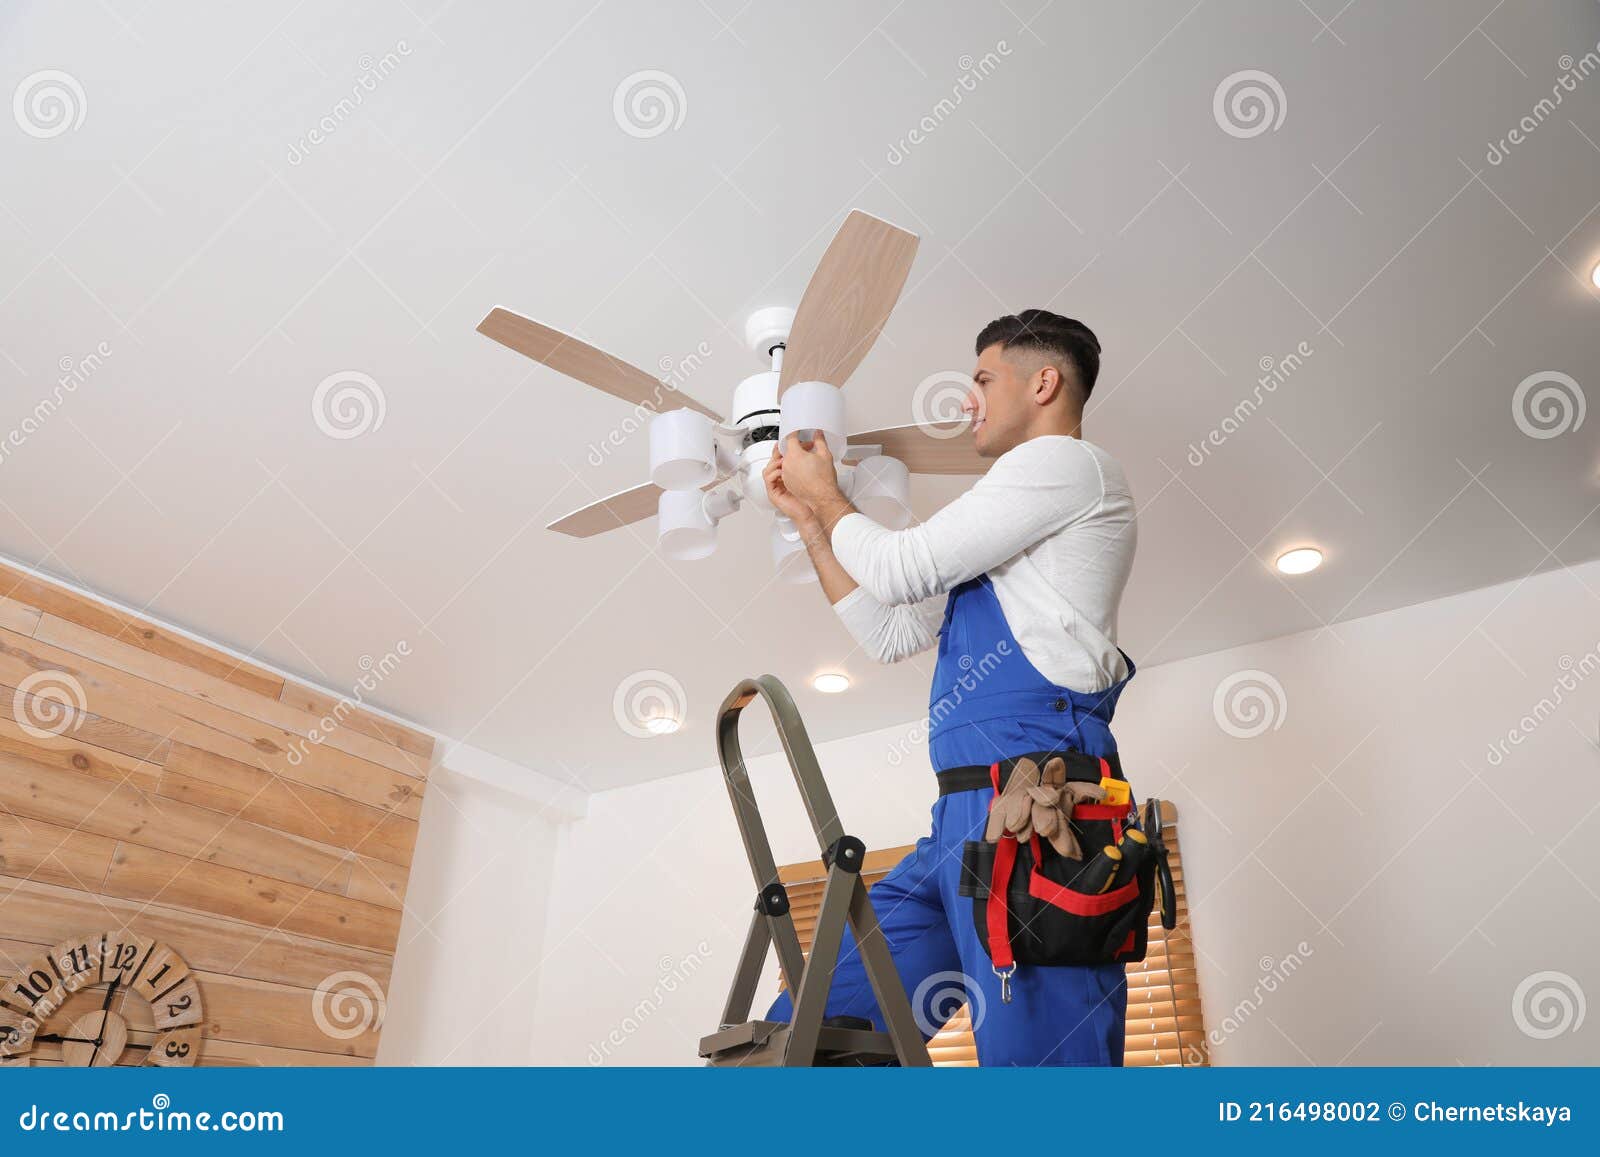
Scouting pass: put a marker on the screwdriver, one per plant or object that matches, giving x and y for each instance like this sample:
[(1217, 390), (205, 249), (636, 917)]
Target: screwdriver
[(1134, 848), (1099, 872)]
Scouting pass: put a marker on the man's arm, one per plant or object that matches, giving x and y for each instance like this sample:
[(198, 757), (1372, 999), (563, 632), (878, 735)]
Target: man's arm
[(1031, 492), (888, 634)]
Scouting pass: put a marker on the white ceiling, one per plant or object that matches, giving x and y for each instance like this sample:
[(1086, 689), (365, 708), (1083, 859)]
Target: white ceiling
[(1086, 173)]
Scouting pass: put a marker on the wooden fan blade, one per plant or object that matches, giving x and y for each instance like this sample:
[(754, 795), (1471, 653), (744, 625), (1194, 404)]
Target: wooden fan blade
[(591, 366), (620, 509), (849, 298), (931, 448)]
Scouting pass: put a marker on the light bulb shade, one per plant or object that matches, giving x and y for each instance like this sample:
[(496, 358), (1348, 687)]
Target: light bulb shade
[(808, 407), (882, 491), (683, 530), (789, 557), (683, 453)]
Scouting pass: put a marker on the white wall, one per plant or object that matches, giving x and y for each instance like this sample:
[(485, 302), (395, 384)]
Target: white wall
[(1426, 877), (466, 968)]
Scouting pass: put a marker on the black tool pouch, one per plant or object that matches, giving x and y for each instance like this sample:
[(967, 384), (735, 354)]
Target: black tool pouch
[(1057, 910)]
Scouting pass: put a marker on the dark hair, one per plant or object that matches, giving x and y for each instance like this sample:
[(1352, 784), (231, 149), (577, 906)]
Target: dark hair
[(1041, 331)]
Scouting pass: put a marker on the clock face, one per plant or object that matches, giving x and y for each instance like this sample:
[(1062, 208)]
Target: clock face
[(108, 999)]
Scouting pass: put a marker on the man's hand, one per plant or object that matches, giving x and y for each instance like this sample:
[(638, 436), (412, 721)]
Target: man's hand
[(809, 475), (778, 493)]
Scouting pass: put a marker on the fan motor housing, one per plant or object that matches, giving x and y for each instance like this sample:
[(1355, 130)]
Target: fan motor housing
[(755, 402)]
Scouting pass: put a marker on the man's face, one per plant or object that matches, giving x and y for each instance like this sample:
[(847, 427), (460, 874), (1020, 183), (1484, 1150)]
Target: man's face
[(1000, 403)]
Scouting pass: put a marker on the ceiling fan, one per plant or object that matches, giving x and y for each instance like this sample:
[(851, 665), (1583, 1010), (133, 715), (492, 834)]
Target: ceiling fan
[(703, 468)]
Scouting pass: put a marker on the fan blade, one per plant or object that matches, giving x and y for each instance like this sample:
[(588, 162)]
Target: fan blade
[(849, 298), (580, 360), (929, 448), (620, 509)]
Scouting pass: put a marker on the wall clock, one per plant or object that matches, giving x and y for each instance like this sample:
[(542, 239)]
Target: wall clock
[(53, 1001)]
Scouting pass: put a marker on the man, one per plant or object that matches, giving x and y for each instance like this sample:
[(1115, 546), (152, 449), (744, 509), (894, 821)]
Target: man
[(1034, 559)]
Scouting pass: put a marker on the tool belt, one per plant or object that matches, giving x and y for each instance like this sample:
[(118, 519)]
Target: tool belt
[(1068, 872)]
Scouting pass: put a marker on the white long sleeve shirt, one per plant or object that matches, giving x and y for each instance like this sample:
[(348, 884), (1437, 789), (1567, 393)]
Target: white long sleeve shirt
[(1053, 526)]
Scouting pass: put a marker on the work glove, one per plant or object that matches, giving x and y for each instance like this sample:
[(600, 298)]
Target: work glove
[(1012, 811), (1042, 803)]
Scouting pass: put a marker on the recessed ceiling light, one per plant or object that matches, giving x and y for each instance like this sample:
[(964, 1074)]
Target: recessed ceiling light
[(1595, 275), (1300, 560), (831, 683), (662, 725)]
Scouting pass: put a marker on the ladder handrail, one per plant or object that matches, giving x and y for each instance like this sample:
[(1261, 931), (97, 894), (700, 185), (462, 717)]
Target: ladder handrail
[(850, 903)]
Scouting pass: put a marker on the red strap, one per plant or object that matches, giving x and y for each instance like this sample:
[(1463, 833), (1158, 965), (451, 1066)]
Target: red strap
[(1100, 811), (996, 916), (1005, 858), (1080, 903)]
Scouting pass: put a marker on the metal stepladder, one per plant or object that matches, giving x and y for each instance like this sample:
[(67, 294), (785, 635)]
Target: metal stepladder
[(807, 1039)]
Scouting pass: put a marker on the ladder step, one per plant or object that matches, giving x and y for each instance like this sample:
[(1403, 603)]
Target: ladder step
[(761, 1043)]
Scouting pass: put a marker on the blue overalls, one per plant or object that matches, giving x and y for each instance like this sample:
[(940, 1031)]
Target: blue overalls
[(988, 702)]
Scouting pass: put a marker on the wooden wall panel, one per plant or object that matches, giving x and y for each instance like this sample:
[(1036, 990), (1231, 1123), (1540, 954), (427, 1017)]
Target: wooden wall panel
[(154, 784)]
